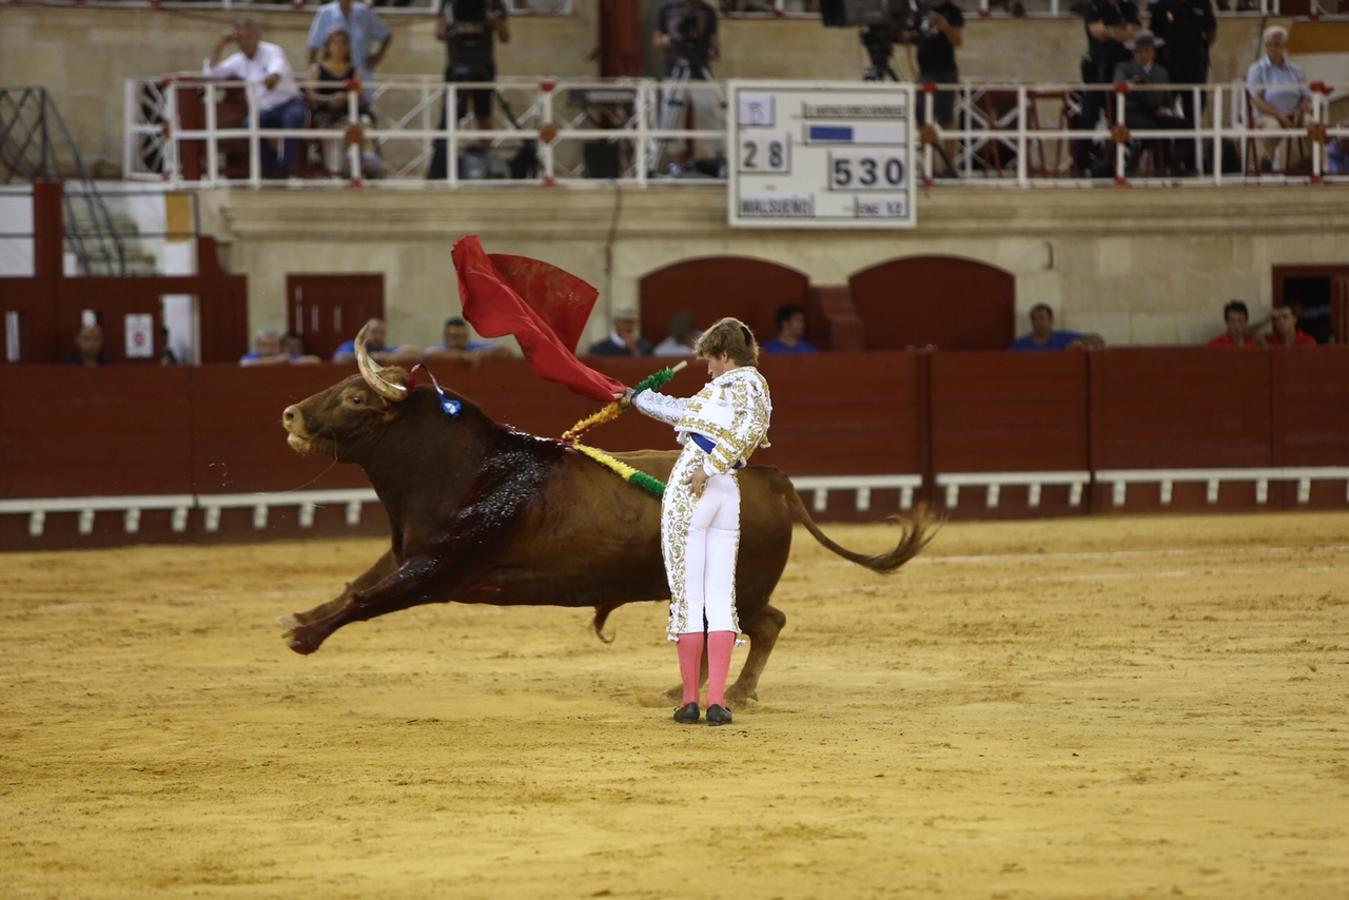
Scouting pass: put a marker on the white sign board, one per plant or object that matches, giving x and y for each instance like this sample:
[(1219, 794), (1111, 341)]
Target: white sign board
[(140, 336), (829, 155)]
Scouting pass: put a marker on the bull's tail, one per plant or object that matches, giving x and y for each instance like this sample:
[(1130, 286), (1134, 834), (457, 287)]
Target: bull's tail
[(916, 530)]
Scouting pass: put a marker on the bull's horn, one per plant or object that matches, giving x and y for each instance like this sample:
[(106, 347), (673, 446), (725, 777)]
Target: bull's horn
[(386, 389)]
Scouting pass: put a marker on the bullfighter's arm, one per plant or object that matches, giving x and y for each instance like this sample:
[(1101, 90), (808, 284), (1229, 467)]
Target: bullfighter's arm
[(751, 409), (661, 407)]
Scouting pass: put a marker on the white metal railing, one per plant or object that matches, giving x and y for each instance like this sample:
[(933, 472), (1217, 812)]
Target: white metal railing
[(1000, 136), (408, 7), (751, 9), (544, 125), (673, 132)]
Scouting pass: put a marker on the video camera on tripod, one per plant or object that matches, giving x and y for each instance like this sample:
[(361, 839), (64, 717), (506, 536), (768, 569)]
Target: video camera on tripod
[(689, 40), (884, 23)]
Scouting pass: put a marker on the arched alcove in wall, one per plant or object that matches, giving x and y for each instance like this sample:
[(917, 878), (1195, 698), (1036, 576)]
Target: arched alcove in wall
[(714, 286), (954, 303)]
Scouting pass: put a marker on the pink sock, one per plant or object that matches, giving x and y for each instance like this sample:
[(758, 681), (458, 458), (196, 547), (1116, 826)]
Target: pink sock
[(691, 664), (719, 646)]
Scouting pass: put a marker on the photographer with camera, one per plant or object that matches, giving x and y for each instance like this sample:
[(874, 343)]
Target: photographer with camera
[(469, 29), (939, 28), (686, 32)]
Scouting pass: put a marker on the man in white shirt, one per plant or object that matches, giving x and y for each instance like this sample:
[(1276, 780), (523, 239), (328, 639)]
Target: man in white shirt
[(1278, 90), (279, 103)]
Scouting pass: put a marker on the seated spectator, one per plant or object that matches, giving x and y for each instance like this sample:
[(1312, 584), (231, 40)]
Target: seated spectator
[(680, 337), (363, 28), (279, 102), (293, 345), (1278, 91), (791, 332), (457, 346), (88, 347), (380, 351), (1337, 153), (1285, 332), (1148, 109), (1239, 332), (1043, 336), (623, 340), (328, 98), (267, 350)]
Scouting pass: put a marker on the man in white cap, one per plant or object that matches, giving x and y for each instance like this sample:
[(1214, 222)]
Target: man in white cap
[(624, 339)]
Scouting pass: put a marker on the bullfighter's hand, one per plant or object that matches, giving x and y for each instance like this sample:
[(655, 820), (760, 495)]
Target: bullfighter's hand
[(624, 398), (698, 482)]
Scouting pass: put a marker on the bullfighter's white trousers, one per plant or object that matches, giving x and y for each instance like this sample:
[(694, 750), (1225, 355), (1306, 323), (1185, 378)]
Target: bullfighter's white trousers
[(700, 538)]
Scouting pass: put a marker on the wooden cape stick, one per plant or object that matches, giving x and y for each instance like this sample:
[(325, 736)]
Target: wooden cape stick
[(612, 411)]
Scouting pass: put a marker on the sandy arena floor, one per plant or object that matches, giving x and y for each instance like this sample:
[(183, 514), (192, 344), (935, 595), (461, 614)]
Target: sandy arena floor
[(1107, 708)]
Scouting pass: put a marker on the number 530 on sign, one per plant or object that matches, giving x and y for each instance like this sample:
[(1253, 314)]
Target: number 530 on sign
[(865, 169)]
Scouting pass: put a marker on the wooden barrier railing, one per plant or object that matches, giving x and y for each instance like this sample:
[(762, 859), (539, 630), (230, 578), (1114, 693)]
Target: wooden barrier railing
[(102, 456)]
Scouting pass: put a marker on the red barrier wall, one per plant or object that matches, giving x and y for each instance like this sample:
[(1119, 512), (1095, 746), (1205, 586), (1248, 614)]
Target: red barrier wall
[(74, 432)]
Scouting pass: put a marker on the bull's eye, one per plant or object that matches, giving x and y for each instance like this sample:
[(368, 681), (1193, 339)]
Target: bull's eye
[(355, 400)]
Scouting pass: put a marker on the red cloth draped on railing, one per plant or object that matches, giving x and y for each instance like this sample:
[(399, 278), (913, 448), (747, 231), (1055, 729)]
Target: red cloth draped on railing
[(543, 307)]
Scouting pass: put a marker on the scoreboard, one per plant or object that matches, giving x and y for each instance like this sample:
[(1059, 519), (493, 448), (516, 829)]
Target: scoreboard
[(828, 155)]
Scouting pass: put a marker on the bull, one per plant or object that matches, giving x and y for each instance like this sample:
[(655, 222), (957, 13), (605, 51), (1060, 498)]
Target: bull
[(482, 513)]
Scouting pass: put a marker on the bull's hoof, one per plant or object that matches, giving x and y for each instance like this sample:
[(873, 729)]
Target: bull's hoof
[(303, 640), (740, 697)]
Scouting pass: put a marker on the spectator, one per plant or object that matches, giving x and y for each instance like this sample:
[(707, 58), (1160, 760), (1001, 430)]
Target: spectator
[(680, 336), (279, 103), (88, 347), (293, 345), (1285, 332), (167, 356), (1043, 336), (941, 31), (1147, 109), (328, 96), (469, 29), (1109, 25), (623, 340), (1185, 30), (686, 33), (380, 351), (363, 27), (791, 332), (267, 350), (457, 346), (1276, 107), (1239, 333), (1337, 153)]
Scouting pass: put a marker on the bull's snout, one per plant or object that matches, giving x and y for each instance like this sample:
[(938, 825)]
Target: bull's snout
[(288, 417)]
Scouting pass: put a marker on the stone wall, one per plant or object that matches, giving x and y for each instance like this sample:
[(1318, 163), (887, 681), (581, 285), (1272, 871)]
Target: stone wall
[(83, 55), (1138, 265)]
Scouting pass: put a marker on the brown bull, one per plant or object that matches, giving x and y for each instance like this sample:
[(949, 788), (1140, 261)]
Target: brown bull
[(480, 513)]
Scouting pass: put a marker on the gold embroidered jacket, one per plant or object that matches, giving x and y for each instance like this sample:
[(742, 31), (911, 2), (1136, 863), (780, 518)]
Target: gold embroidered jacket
[(732, 411)]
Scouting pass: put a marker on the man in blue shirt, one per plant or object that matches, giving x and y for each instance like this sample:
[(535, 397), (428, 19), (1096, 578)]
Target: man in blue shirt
[(379, 351), (791, 332), (363, 27), (1279, 95), (1043, 336), (457, 346)]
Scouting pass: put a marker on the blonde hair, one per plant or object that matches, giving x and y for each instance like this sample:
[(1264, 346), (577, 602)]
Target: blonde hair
[(731, 337)]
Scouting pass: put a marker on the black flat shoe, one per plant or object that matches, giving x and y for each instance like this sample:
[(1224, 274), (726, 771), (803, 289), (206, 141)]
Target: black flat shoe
[(688, 714), (718, 715)]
